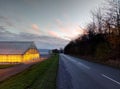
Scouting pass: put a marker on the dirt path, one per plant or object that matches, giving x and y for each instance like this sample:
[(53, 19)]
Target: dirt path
[(5, 73)]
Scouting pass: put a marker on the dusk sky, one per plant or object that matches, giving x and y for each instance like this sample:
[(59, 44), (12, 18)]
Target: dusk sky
[(50, 23)]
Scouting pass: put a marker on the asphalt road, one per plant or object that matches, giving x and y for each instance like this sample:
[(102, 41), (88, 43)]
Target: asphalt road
[(75, 73)]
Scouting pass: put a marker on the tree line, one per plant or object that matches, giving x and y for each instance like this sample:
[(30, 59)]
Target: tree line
[(101, 40)]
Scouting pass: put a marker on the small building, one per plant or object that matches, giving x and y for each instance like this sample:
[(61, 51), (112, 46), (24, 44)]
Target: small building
[(18, 51)]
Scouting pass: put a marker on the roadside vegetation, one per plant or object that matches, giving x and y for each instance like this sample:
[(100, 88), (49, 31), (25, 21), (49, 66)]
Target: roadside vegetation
[(101, 39), (39, 76)]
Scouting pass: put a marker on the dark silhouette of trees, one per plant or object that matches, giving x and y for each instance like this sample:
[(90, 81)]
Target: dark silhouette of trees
[(102, 40), (55, 51)]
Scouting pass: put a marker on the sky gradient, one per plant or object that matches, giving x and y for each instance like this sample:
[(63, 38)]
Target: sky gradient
[(50, 23)]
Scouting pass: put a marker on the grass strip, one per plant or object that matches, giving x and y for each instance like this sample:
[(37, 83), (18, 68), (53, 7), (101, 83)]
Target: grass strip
[(39, 76)]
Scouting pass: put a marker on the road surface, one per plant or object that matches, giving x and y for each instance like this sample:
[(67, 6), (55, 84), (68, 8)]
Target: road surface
[(75, 73)]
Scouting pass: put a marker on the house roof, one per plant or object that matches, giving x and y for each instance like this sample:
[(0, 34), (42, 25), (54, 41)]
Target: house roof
[(16, 47)]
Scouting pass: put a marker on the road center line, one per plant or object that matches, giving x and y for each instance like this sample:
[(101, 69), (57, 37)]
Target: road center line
[(111, 79)]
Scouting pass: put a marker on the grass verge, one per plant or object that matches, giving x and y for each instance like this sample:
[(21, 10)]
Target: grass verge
[(39, 76)]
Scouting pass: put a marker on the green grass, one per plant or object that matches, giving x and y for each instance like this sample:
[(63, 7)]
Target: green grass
[(39, 76), (2, 66)]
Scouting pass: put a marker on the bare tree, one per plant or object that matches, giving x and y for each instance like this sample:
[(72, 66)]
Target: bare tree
[(113, 13), (92, 25), (97, 19)]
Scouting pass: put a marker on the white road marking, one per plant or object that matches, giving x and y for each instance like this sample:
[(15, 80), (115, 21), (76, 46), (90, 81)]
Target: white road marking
[(111, 79)]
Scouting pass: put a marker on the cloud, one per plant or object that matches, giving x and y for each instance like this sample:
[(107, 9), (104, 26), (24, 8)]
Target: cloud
[(59, 22), (7, 21), (68, 30), (34, 29), (41, 41), (44, 41), (5, 35), (52, 33), (2, 28)]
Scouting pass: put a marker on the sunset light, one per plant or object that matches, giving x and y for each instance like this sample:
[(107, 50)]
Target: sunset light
[(59, 44)]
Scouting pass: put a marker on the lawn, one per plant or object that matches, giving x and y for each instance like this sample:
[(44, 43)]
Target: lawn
[(39, 76)]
